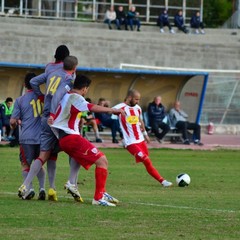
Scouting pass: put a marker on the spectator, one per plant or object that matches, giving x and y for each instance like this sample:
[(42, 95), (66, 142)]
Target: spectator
[(132, 18), (179, 22), (110, 17), (121, 18), (107, 121), (179, 119), (157, 113), (88, 119), (6, 112), (163, 21), (197, 24)]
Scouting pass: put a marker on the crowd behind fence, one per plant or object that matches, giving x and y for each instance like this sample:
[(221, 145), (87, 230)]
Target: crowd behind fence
[(92, 10)]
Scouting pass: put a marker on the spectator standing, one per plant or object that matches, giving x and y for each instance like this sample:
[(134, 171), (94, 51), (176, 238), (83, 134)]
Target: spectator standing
[(110, 17), (132, 18), (197, 24), (163, 21), (156, 114), (121, 18), (179, 22), (179, 120)]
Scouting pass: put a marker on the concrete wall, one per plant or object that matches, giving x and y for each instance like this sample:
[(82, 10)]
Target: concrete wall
[(34, 41)]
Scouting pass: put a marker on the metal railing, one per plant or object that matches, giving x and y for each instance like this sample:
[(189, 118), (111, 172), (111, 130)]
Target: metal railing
[(92, 10)]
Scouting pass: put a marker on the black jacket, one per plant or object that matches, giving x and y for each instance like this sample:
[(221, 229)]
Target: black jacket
[(156, 113)]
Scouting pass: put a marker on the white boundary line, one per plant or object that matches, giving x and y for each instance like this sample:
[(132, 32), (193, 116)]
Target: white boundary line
[(152, 204), (185, 207)]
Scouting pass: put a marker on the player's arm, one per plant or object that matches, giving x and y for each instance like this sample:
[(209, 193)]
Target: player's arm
[(37, 81), (98, 109)]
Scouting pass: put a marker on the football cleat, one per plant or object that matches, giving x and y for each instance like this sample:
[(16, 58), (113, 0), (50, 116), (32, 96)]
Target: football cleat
[(29, 195), (42, 194), (22, 191), (165, 183), (103, 202), (52, 195), (110, 198), (72, 189)]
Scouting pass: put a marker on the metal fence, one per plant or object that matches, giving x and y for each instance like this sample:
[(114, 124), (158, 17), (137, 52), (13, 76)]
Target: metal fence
[(92, 10), (221, 104)]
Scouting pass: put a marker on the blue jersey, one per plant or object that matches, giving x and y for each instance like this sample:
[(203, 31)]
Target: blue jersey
[(28, 109)]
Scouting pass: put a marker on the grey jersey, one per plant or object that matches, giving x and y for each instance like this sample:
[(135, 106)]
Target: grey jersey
[(42, 78), (56, 78), (28, 109)]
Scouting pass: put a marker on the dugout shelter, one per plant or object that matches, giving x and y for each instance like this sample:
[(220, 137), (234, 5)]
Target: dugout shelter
[(112, 84)]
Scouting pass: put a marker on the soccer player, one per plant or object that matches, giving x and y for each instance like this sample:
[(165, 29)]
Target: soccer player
[(59, 81), (134, 134), (27, 114), (65, 125)]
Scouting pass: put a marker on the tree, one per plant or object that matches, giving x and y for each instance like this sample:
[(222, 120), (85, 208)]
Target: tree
[(216, 12)]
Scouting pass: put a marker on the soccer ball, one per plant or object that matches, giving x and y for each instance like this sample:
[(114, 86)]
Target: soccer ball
[(183, 180)]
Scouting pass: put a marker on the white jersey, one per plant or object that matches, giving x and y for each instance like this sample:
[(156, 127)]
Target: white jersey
[(130, 124), (69, 112)]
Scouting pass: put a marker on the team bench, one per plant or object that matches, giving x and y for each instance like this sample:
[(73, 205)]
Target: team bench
[(105, 133)]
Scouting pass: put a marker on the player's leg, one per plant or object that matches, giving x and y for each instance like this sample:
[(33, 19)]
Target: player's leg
[(141, 154), (101, 197), (51, 169), (41, 175), (71, 184), (27, 153), (86, 154), (34, 170), (41, 180), (45, 151)]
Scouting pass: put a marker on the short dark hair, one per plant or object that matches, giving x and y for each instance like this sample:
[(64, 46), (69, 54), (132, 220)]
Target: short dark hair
[(27, 79), (70, 62), (88, 100), (9, 99), (81, 81), (61, 53)]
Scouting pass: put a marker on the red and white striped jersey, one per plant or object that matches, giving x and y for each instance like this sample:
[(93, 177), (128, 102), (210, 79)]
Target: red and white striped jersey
[(69, 112), (130, 124)]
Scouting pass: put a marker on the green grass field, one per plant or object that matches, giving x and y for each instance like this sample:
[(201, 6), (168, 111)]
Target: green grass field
[(208, 209)]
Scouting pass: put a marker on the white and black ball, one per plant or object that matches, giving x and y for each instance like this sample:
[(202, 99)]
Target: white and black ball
[(183, 180)]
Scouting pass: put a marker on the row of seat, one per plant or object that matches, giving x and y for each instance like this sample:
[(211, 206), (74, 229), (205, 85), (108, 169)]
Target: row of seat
[(173, 135)]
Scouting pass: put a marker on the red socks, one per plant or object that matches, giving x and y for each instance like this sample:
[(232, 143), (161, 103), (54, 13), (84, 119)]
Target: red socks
[(152, 171), (100, 182)]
